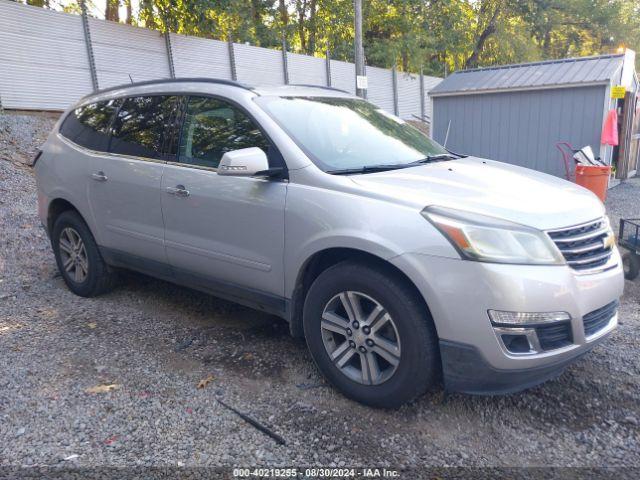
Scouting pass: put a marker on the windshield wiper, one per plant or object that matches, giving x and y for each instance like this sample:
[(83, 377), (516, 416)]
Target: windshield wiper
[(369, 169), (395, 166), (436, 158)]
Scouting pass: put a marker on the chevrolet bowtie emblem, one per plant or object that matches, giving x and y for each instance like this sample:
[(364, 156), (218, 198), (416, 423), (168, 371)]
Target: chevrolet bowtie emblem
[(608, 241)]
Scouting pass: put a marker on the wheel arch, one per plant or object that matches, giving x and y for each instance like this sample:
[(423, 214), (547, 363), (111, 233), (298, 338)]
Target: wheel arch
[(321, 261), (56, 207)]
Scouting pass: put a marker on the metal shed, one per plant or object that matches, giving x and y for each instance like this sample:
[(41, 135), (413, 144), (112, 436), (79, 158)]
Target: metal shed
[(517, 113)]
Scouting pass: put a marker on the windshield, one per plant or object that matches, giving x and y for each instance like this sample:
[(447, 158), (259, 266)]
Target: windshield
[(349, 134)]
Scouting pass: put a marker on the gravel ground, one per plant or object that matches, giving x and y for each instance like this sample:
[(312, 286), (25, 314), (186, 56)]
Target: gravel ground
[(21, 135), (155, 342)]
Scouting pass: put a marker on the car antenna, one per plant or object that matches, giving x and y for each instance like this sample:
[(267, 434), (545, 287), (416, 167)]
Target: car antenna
[(446, 137), (130, 78)]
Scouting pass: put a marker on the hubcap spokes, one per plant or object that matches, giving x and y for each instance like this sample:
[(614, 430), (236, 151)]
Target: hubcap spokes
[(360, 337), (73, 255)]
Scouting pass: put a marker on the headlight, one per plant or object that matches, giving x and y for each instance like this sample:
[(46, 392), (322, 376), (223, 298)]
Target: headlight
[(489, 239)]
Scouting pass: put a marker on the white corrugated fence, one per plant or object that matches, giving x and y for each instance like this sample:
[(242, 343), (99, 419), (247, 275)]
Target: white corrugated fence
[(45, 63)]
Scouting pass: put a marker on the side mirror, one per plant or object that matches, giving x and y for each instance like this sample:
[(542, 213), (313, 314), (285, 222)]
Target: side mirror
[(245, 162)]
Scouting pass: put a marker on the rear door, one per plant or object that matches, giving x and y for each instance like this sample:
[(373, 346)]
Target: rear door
[(86, 138), (125, 186), (223, 233)]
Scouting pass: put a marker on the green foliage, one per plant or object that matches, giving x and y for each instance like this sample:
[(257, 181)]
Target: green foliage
[(437, 35)]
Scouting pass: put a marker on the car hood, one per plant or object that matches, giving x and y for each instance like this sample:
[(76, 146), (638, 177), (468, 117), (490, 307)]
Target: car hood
[(489, 188)]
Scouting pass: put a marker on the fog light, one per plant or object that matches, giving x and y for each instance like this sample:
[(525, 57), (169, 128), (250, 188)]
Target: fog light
[(516, 343), (527, 318)]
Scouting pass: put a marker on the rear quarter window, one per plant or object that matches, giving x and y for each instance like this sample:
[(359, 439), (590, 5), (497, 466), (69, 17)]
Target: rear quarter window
[(143, 126), (88, 126)]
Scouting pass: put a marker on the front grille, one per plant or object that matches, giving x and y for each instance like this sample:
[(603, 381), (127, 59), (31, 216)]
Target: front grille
[(584, 247), (554, 336), (598, 319)]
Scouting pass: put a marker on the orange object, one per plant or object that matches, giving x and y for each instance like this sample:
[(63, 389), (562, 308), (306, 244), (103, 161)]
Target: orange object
[(610, 129), (594, 178)]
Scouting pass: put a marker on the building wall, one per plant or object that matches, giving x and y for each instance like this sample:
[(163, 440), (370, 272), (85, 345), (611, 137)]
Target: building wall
[(523, 127)]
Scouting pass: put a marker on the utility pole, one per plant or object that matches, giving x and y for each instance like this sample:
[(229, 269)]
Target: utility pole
[(359, 50)]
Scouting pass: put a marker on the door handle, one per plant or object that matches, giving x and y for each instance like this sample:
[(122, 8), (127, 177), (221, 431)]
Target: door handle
[(99, 176), (178, 191)]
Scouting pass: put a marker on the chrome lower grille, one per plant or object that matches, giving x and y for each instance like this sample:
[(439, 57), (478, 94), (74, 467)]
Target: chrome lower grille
[(585, 247)]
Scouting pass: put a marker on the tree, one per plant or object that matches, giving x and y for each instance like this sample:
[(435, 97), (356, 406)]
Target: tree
[(486, 25), (438, 35), (129, 17), (112, 10)]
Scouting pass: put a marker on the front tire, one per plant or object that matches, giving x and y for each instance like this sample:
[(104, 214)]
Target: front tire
[(371, 335), (78, 258)]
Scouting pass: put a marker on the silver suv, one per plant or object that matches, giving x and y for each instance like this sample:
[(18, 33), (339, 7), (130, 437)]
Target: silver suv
[(398, 261)]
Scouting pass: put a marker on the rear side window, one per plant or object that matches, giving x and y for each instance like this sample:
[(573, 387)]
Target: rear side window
[(213, 127), (88, 126), (143, 125)]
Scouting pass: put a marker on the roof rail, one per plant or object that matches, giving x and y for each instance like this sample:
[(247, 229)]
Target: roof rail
[(160, 81), (324, 87)]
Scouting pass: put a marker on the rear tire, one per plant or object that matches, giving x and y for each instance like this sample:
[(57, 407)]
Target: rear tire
[(79, 261), (631, 265), (389, 355)]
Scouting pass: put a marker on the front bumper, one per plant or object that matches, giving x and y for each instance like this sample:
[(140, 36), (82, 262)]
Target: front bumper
[(465, 370), (459, 294)]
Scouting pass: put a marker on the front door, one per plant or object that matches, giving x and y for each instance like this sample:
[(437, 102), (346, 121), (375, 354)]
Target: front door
[(224, 234), (125, 183)]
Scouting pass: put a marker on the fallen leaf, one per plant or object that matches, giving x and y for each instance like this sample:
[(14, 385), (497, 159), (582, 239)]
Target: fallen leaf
[(92, 324), (189, 410), (111, 440), (205, 381), (103, 388)]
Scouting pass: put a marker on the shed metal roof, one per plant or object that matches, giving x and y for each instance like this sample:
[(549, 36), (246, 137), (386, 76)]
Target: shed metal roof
[(529, 76)]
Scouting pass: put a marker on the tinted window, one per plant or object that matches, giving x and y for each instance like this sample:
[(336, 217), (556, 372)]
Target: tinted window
[(89, 125), (213, 127), (142, 126)]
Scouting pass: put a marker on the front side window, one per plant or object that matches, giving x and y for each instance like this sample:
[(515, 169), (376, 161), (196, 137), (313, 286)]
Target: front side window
[(88, 125), (143, 125), (213, 127), (348, 133)]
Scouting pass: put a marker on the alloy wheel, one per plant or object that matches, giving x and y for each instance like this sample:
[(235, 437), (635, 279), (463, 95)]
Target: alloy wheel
[(73, 254), (361, 338)]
